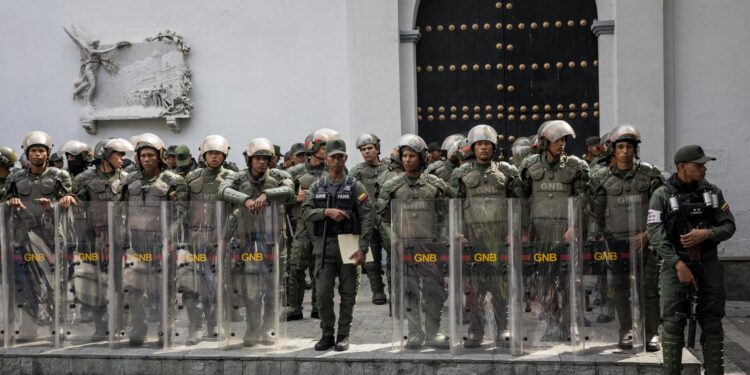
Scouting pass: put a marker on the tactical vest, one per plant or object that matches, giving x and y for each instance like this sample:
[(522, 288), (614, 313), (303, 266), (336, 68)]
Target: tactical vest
[(344, 199), (485, 195), (623, 197), (693, 213), (202, 205), (102, 189), (144, 203), (304, 181), (30, 187), (417, 214), (368, 176), (550, 188)]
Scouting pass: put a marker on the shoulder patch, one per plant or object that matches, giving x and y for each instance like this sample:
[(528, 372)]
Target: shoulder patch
[(654, 217)]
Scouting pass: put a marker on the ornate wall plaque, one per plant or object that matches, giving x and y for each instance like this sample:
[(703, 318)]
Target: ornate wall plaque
[(132, 81)]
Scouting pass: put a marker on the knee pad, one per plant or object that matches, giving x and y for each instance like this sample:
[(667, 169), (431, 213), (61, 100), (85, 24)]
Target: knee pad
[(673, 328)]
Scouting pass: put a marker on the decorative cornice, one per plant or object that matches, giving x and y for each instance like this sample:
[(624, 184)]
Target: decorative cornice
[(603, 27), (409, 36)]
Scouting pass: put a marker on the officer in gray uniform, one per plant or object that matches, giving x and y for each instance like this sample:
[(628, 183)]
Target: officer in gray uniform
[(444, 168), (196, 279), (485, 230), (337, 205), (426, 291), (32, 192), (547, 179), (146, 189), (93, 188), (627, 182), (8, 159), (367, 173), (249, 191), (300, 257)]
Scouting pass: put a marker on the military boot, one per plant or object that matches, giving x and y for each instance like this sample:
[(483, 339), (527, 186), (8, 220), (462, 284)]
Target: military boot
[(414, 341), (653, 344), (473, 340), (713, 353), (433, 336), (375, 275), (195, 317), (626, 340), (672, 354), (325, 343), (28, 331), (100, 323)]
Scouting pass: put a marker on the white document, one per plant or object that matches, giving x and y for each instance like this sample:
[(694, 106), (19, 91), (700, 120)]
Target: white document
[(348, 245)]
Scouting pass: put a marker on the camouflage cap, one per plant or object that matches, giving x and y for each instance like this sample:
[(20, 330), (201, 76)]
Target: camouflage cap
[(297, 148), (182, 154), (276, 150), (337, 146), (170, 150), (592, 141), (433, 146)]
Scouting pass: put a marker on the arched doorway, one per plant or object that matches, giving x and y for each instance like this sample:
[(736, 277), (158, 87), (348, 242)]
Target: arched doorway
[(509, 64)]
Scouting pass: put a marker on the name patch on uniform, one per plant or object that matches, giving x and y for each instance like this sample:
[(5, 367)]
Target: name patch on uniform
[(654, 217), (362, 197), (320, 196)]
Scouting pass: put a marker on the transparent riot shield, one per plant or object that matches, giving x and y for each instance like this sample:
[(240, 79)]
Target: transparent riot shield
[(4, 291), (249, 274), (140, 240), (191, 293), (480, 274), (545, 235), (420, 272), (30, 248), (608, 282), (82, 294)]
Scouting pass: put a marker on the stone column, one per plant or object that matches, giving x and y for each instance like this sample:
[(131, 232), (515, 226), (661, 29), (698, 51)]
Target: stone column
[(408, 73)]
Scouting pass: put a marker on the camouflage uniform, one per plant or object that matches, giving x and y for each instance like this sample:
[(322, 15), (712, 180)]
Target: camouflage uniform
[(258, 300), (368, 175), (546, 185)]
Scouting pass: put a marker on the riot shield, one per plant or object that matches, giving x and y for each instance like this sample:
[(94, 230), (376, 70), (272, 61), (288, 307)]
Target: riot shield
[(30, 247), (608, 283), (137, 314), (479, 267), (4, 291), (249, 274), (82, 294), (545, 235), (191, 293), (420, 271)]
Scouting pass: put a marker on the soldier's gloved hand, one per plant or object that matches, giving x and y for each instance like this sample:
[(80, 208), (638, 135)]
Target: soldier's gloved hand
[(335, 214), (695, 237), (260, 202), (685, 275), (250, 205), (639, 241), (359, 257), (16, 202), (44, 202), (67, 201)]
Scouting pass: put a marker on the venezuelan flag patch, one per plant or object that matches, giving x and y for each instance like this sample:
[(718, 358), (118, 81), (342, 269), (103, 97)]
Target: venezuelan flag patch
[(725, 207), (362, 197)]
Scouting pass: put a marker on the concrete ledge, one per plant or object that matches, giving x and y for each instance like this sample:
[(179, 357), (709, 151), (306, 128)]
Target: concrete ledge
[(94, 360)]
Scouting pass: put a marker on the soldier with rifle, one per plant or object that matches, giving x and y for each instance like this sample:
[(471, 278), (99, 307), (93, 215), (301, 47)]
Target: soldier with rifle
[(687, 219)]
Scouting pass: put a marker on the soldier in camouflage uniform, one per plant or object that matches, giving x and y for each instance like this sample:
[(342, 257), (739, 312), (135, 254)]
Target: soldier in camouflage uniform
[(604, 157), (520, 150), (249, 191), (335, 205), (367, 173), (196, 279), (444, 168), (426, 291), (485, 231), (55, 160), (8, 159), (613, 190), (146, 189), (593, 149), (687, 219), (185, 163), (92, 188), (301, 253), (31, 193), (546, 179)]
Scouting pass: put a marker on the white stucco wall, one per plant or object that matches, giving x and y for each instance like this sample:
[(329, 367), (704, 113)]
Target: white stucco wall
[(277, 69), (708, 69)]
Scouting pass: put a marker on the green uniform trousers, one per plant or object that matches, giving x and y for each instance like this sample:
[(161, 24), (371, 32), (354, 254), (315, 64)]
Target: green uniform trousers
[(326, 272)]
